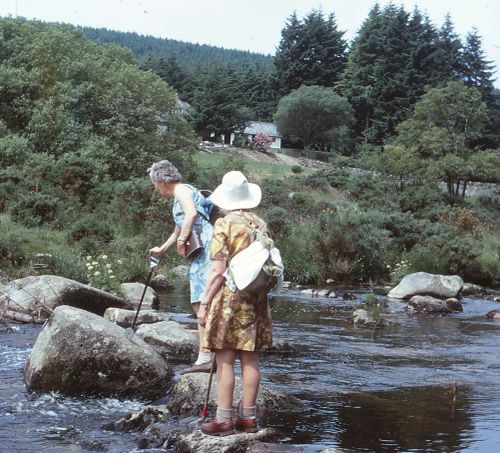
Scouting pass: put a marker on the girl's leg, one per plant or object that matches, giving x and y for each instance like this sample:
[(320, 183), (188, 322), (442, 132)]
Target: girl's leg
[(225, 380), (222, 424), (251, 378)]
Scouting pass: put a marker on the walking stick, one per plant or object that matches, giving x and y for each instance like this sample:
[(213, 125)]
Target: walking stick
[(205, 407), (153, 264)]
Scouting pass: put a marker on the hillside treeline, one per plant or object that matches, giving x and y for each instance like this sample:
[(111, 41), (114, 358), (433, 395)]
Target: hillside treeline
[(393, 60)]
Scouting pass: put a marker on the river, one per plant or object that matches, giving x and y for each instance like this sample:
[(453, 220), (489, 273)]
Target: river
[(387, 390)]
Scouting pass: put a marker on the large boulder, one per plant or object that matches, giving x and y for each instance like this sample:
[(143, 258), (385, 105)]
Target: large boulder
[(197, 442), (425, 284), (189, 394), (125, 318), (431, 305), (170, 339), (80, 352), (133, 293), (32, 299)]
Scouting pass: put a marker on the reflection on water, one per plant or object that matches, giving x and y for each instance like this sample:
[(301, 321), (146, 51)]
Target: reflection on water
[(363, 391)]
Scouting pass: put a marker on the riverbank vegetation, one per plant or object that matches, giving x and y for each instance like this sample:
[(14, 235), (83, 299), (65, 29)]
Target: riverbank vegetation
[(81, 122)]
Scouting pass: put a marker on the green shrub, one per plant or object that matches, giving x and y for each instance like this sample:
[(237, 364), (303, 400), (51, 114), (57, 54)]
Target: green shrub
[(34, 209), (296, 169), (354, 244), (90, 233), (301, 256), (278, 221)]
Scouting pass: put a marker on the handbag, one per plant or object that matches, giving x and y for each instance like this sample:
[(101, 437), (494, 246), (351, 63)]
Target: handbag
[(194, 245)]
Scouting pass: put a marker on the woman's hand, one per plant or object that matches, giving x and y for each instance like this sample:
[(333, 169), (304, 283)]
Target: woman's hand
[(202, 314), (156, 251)]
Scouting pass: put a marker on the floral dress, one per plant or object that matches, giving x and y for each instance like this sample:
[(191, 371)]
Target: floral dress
[(198, 270), (235, 320)]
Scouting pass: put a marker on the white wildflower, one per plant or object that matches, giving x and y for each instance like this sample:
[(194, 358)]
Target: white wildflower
[(97, 273)]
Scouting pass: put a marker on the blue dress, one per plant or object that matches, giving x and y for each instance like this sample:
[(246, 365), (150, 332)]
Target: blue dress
[(200, 265)]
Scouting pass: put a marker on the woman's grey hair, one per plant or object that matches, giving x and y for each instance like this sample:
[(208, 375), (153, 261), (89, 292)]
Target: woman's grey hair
[(164, 171)]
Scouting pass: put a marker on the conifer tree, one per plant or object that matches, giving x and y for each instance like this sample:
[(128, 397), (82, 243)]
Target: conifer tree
[(476, 70), (311, 52), (449, 51)]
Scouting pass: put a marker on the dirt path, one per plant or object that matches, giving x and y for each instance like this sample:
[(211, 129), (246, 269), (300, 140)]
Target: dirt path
[(271, 156)]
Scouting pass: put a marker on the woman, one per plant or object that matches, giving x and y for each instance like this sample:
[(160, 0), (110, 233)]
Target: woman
[(236, 324), (189, 214)]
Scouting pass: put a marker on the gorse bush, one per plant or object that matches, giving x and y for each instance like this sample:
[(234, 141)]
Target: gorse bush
[(354, 241), (90, 233), (303, 263)]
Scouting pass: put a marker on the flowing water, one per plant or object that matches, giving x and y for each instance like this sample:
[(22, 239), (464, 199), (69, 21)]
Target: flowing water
[(363, 390)]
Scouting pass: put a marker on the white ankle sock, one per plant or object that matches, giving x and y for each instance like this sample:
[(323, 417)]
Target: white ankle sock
[(248, 412), (203, 357), (223, 415)]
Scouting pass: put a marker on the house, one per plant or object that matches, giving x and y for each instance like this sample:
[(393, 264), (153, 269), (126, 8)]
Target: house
[(260, 127)]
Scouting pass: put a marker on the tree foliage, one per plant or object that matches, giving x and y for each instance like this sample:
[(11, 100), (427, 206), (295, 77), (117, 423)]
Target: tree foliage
[(312, 51), (64, 94), (315, 115)]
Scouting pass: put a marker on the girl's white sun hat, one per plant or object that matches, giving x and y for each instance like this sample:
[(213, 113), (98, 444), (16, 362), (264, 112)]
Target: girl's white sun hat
[(236, 192)]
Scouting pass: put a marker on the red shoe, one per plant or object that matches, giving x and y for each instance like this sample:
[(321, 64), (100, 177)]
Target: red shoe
[(249, 425), (212, 428)]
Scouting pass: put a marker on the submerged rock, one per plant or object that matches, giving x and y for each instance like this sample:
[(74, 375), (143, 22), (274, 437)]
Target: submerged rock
[(189, 393), (133, 293), (430, 305), (32, 299), (80, 352), (422, 283), (493, 314), (170, 339), (137, 421), (197, 442), (280, 347), (364, 318), (125, 318)]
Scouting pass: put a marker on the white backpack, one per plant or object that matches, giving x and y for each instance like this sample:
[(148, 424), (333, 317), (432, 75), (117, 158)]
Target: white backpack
[(258, 268)]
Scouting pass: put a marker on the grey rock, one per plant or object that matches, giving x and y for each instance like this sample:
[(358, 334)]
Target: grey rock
[(138, 420), (493, 315), (80, 352), (125, 318), (161, 283), (170, 339), (180, 271), (431, 305), (197, 442), (189, 393), (364, 318), (133, 293), (470, 289), (422, 283), (453, 304), (32, 299)]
